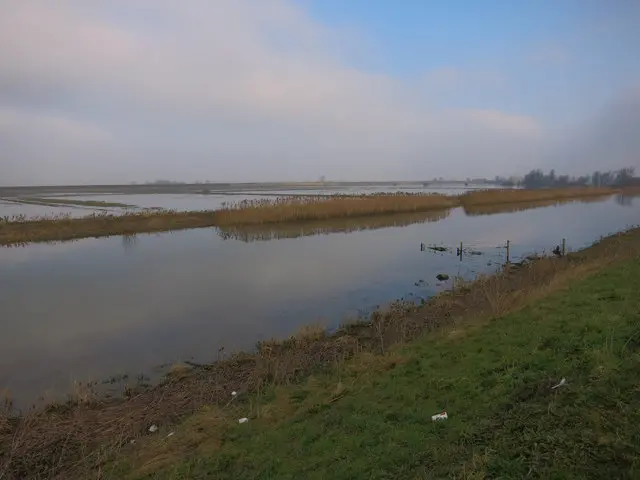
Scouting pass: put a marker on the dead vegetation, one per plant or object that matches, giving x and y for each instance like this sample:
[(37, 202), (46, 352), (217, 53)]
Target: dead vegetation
[(301, 209), (509, 196), (79, 439)]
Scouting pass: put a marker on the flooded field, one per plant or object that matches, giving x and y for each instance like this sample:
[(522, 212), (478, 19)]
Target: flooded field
[(12, 206), (94, 308)]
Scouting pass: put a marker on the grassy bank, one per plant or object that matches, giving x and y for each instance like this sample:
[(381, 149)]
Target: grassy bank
[(289, 210), (496, 383), (345, 405)]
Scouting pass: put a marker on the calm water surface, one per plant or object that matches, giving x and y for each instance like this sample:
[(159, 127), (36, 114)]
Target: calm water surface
[(96, 307), (190, 201)]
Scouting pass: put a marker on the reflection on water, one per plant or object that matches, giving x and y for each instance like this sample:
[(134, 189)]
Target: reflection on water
[(628, 198), (97, 307), (323, 227), (523, 206), (129, 241), (198, 201)]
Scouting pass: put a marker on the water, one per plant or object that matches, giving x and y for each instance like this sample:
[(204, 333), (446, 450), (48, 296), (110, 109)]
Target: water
[(96, 307), (191, 201)]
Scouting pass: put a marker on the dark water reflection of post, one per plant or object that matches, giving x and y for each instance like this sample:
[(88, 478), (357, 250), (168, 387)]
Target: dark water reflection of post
[(624, 200), (129, 241)]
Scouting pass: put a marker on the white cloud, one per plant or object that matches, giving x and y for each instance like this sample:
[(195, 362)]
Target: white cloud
[(229, 90), (50, 128)]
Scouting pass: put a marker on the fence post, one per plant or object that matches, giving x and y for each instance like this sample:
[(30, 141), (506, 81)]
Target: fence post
[(508, 250), (564, 246), (460, 251)]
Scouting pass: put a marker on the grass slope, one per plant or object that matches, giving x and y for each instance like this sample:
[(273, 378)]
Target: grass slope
[(495, 382)]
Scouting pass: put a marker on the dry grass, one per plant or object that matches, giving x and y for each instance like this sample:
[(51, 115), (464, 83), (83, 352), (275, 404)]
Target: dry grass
[(631, 191), (301, 209), (18, 230), (78, 439), (279, 211), (505, 196)]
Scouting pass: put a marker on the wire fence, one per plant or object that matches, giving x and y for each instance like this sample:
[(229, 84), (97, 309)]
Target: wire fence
[(506, 251)]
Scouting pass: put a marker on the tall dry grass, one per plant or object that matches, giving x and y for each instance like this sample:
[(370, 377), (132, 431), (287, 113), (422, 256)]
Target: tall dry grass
[(15, 230), (301, 209), (504, 196)]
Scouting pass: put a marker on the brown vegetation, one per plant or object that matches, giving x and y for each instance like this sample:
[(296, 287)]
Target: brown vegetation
[(505, 196), (631, 191), (21, 230), (270, 212), (78, 439), (301, 209), (495, 208)]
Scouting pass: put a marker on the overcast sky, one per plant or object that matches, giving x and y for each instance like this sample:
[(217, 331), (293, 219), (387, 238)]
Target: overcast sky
[(111, 91)]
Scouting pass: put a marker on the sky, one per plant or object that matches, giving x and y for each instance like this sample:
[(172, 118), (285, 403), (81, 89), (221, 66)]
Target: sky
[(117, 91)]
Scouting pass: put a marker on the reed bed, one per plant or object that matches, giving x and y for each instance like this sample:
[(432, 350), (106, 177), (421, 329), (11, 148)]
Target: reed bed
[(496, 208), (503, 196), (15, 230), (301, 209), (631, 191)]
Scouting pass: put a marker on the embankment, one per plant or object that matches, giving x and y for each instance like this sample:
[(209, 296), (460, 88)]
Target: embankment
[(346, 405)]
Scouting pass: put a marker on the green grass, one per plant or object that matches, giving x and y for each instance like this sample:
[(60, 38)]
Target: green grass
[(494, 381)]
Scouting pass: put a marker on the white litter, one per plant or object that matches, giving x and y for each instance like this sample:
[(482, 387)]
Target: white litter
[(153, 428), (171, 434), (233, 394), (562, 383), (243, 420), (439, 416)]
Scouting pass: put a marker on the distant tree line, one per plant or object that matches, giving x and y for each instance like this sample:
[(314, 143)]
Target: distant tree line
[(538, 179)]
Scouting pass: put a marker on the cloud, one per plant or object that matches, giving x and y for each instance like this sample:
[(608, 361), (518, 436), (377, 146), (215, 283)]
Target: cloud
[(609, 139), (52, 128), (229, 90)]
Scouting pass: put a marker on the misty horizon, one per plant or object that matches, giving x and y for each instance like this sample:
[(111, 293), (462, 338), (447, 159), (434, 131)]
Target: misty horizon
[(244, 91)]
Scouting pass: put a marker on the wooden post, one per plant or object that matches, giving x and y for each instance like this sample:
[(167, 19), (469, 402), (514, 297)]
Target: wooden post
[(508, 250), (460, 251), (564, 246), (421, 247)]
